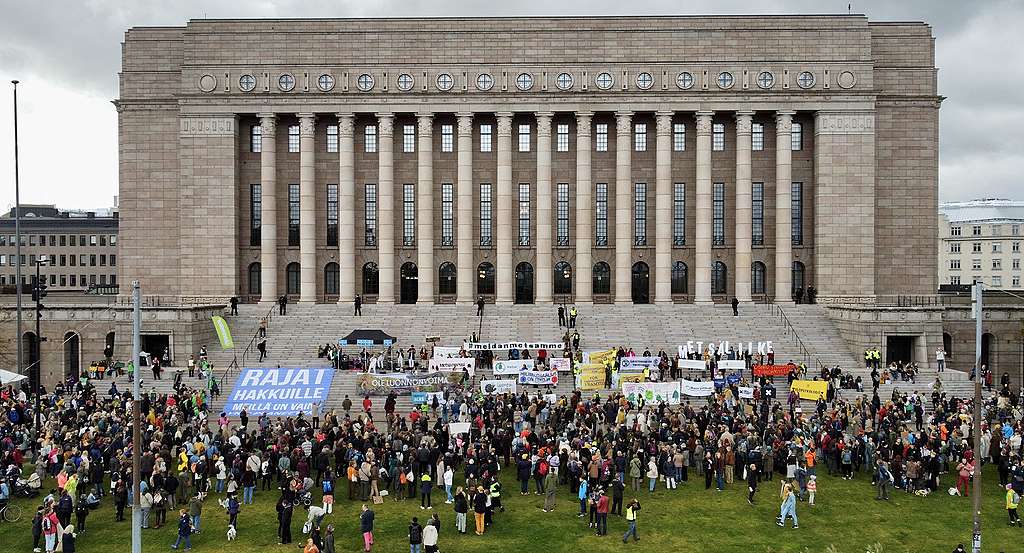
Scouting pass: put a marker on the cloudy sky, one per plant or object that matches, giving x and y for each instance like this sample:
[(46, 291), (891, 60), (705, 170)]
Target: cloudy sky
[(66, 53)]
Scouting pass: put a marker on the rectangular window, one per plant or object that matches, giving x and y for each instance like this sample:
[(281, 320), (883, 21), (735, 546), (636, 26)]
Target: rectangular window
[(1015, 230), (601, 213), (1016, 282), (103, 279), (997, 247), (332, 139), (601, 142), (718, 215), (73, 280), (757, 214), (256, 139), (103, 260), (954, 247), (954, 279), (113, 260), (447, 214), (408, 138), (954, 264), (679, 214), (718, 137), (408, 215), (64, 260), (293, 139), (74, 239), (976, 230), (255, 213), (679, 137), (485, 138), (370, 139), (562, 213), (73, 260), (955, 231), (1015, 247), (332, 214), (524, 138), (757, 137), (293, 215), (797, 137), (63, 240), (640, 137), (562, 138), (997, 281), (447, 138), (81, 260), (1016, 264), (976, 264), (976, 247), (997, 264), (113, 240), (63, 280), (485, 214), (3, 260), (640, 214), (524, 212), (370, 214), (92, 240), (797, 213), (103, 240)]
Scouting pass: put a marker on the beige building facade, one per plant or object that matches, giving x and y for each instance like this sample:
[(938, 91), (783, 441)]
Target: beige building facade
[(981, 240), (611, 159)]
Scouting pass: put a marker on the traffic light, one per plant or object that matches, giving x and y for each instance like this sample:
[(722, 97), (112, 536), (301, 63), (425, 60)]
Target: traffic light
[(41, 293)]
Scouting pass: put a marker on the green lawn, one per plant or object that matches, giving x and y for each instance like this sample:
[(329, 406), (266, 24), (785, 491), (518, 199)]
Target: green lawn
[(846, 518)]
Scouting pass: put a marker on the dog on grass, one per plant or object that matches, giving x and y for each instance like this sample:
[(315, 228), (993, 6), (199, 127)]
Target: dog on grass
[(232, 533)]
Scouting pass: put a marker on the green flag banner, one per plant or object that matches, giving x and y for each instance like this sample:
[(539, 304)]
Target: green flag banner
[(223, 332)]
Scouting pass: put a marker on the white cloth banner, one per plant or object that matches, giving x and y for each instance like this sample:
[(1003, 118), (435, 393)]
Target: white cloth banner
[(513, 366), (652, 392), (454, 364), (551, 399), (746, 392), (727, 365), (695, 364), (498, 386), (639, 363), (458, 428), (539, 378), (696, 389), (446, 351), (560, 364), (481, 346)]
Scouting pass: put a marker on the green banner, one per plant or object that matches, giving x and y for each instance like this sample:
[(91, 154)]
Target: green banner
[(223, 332)]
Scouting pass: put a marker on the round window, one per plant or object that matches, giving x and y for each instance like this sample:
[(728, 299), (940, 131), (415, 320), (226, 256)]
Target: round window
[(325, 82), (563, 81), (684, 80), (765, 79), (644, 80), (484, 81), (445, 81), (286, 82), (604, 80), (365, 82), (524, 81), (805, 79), (405, 82), (725, 80), (247, 83)]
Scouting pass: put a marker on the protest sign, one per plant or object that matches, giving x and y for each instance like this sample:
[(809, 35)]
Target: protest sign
[(692, 364), (591, 377), (772, 370), (810, 389), (446, 351), (454, 364), (561, 364), (639, 363), (498, 386), (455, 428), (652, 392), (419, 398), (539, 378), (513, 366), (601, 357), (279, 392), (696, 389), (734, 366), (402, 383), (746, 392), (482, 346), (631, 376)]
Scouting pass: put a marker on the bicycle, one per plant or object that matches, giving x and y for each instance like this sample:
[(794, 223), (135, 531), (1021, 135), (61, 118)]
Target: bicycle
[(11, 512)]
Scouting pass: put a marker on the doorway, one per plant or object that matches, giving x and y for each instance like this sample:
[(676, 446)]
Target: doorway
[(72, 354), (524, 283), (410, 283), (899, 348), (155, 344), (641, 283)]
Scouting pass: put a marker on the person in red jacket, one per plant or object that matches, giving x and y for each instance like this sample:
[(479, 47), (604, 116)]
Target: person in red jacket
[(602, 514)]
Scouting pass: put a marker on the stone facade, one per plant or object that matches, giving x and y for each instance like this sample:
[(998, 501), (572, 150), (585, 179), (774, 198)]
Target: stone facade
[(861, 96)]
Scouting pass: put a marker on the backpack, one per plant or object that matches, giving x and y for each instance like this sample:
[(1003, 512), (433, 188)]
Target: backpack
[(543, 468)]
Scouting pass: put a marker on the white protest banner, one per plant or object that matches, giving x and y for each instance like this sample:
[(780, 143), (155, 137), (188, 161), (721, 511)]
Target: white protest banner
[(561, 364), (731, 366), (746, 392), (723, 346), (419, 398), (652, 392), (498, 386), (455, 428), (697, 389), (539, 378), (446, 351), (551, 399), (453, 364), (481, 346), (693, 364), (513, 366), (639, 363)]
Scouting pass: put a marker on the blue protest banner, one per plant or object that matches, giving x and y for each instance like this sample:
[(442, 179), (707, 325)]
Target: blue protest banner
[(279, 392)]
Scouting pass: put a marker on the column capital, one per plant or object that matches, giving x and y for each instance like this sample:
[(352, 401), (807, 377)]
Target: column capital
[(664, 122), (385, 124), (784, 122), (623, 117), (504, 123), (307, 124), (544, 122), (704, 121), (268, 123), (346, 124), (583, 119), (465, 122), (744, 119), (425, 124)]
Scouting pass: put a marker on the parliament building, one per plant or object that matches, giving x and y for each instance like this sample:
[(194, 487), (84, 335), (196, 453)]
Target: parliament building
[(530, 160)]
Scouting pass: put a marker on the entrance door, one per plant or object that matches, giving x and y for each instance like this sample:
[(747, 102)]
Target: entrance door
[(72, 354), (410, 283), (524, 283), (641, 283), (899, 348), (155, 344)]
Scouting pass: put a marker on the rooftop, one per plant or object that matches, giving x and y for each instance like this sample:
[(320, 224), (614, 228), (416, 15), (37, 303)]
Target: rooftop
[(989, 209)]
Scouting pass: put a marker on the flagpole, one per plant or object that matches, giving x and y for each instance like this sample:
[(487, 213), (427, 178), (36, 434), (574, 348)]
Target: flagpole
[(17, 237)]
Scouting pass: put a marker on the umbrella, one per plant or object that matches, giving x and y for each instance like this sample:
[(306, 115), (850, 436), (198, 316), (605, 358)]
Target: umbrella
[(365, 337), (7, 377)]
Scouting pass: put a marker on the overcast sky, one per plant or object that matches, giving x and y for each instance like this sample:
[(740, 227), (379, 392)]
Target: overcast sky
[(66, 53)]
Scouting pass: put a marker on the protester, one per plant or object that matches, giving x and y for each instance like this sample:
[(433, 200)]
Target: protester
[(366, 527)]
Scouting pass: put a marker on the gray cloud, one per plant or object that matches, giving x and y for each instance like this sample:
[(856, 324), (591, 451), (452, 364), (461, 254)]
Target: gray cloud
[(75, 47)]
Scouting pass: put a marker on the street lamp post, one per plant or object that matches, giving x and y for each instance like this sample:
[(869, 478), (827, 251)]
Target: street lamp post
[(38, 293), (17, 233), (976, 506)]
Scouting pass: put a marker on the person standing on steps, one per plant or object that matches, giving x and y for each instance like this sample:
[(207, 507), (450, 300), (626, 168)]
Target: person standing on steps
[(234, 305), (282, 305), (480, 307), (358, 306), (561, 316), (262, 347), (735, 307), (572, 316)]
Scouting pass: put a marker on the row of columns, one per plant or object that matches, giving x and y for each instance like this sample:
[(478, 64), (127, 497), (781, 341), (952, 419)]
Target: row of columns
[(505, 199)]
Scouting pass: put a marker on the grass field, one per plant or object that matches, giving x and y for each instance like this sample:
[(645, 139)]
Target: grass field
[(845, 519)]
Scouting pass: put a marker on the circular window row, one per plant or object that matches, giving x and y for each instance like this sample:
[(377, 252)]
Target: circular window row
[(524, 81)]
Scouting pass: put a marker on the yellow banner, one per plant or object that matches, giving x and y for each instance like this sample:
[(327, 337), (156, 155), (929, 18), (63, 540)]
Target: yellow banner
[(591, 377), (810, 389), (630, 377), (603, 357)]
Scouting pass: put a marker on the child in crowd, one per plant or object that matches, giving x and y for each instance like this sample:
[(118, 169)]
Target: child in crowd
[(812, 488)]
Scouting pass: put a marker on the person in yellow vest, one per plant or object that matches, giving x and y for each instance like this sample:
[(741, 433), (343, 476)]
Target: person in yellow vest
[(1012, 502), (632, 512)]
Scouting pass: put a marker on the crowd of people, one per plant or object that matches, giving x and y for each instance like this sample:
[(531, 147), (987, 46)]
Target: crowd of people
[(604, 450)]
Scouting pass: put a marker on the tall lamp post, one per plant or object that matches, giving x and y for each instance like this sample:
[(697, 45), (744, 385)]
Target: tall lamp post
[(976, 505), (38, 293), (17, 233)]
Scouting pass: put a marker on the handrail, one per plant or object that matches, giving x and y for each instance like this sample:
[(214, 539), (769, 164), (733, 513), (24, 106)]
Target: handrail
[(789, 328)]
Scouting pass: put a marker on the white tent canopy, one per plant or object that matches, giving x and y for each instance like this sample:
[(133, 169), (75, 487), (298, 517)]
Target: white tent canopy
[(8, 377)]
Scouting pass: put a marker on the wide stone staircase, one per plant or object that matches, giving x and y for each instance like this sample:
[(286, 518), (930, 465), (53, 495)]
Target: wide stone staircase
[(800, 333)]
